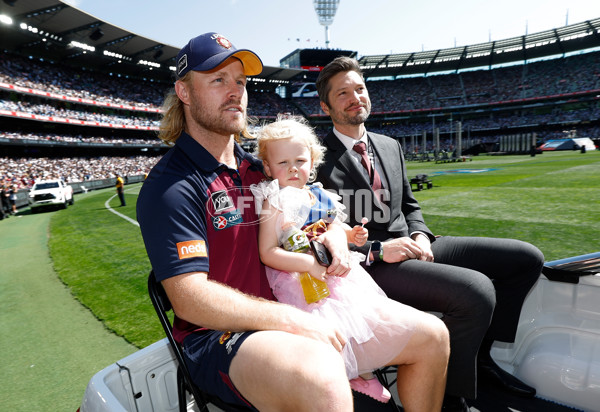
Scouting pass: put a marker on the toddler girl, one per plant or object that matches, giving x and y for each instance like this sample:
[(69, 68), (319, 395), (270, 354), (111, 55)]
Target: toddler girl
[(376, 328)]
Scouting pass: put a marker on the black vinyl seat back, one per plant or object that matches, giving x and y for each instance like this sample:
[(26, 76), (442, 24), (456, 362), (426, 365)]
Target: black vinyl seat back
[(162, 305)]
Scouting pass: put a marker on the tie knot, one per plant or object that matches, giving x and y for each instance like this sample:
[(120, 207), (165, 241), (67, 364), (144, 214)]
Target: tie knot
[(360, 148)]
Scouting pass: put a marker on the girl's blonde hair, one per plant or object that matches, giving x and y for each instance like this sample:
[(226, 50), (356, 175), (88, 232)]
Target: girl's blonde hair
[(286, 127)]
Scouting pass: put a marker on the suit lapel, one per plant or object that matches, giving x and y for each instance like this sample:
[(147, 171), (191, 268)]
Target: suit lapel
[(345, 162), (389, 158), (386, 155)]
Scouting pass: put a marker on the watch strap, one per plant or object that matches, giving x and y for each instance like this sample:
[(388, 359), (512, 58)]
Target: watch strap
[(377, 251)]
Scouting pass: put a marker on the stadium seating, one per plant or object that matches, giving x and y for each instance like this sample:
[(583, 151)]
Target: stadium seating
[(114, 116)]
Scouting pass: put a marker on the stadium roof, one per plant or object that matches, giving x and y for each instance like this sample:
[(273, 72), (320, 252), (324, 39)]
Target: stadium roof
[(559, 41), (50, 29)]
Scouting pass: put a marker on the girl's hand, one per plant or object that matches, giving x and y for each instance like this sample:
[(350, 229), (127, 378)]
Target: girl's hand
[(359, 235), (318, 271)]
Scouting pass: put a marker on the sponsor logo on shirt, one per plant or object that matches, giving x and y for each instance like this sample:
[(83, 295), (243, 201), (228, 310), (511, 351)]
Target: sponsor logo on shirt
[(221, 201), (235, 200), (227, 220), (191, 248)]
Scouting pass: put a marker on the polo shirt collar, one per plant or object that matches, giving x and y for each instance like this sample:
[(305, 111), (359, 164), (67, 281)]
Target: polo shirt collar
[(204, 161)]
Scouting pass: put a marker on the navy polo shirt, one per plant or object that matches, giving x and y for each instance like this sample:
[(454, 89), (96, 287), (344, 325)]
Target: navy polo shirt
[(198, 215)]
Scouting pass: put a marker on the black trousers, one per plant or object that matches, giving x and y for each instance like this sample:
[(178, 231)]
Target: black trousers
[(121, 196), (478, 285)]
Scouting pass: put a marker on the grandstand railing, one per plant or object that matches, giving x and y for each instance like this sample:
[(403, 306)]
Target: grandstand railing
[(73, 99), (64, 120)]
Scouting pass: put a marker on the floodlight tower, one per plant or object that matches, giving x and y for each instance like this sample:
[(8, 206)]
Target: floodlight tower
[(326, 11)]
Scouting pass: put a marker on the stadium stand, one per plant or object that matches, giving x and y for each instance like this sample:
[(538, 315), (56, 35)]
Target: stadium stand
[(75, 116)]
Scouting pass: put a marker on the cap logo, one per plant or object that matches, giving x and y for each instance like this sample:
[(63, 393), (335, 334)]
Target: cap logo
[(182, 64), (221, 41)]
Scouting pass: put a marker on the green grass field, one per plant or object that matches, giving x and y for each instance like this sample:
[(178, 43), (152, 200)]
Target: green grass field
[(550, 200), (51, 345)]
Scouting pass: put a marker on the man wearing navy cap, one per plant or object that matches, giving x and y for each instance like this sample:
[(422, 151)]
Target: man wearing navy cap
[(200, 229)]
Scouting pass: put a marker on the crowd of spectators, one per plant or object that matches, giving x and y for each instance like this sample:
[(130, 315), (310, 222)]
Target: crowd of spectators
[(90, 116), (268, 105), (497, 121), (541, 80), (66, 81), (23, 172), (579, 73), (53, 137)]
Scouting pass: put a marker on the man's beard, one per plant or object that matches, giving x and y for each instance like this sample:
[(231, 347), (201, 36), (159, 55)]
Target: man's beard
[(343, 117), (216, 123)]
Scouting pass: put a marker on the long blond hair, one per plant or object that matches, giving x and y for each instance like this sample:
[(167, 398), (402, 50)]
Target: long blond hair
[(173, 119)]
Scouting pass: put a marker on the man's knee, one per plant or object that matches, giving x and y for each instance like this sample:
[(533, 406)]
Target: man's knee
[(439, 336), (291, 371), (482, 296), (431, 340), (320, 373), (474, 302), (533, 259)]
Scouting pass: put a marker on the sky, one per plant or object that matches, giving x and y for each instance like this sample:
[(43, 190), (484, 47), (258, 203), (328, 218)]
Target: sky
[(275, 28)]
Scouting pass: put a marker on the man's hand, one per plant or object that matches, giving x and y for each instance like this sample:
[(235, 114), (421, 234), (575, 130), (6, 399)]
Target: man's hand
[(425, 246), (315, 327), (405, 248), (214, 305)]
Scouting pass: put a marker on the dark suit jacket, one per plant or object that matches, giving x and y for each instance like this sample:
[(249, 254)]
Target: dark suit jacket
[(400, 215)]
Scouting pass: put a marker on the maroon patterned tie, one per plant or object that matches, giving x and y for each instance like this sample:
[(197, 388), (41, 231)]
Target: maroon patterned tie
[(361, 149)]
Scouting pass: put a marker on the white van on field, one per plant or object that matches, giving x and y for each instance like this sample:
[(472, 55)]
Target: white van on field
[(50, 193)]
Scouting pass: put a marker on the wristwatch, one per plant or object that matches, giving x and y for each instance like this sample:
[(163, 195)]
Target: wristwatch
[(377, 251)]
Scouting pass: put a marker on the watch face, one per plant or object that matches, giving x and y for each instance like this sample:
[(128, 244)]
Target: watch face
[(376, 250)]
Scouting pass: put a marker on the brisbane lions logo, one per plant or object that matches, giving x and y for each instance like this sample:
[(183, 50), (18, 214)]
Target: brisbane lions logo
[(222, 41)]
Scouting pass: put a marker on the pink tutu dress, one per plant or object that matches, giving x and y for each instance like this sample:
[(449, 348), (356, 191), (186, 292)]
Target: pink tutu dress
[(376, 328)]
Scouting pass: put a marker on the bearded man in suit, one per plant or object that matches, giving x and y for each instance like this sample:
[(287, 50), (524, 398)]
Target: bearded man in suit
[(477, 284)]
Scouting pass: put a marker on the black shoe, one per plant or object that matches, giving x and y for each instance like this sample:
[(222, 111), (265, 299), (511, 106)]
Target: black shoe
[(488, 371), (454, 404)]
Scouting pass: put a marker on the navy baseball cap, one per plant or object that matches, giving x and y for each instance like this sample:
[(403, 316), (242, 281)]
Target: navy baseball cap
[(207, 51)]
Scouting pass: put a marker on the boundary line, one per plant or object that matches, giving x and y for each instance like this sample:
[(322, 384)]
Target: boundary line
[(121, 215)]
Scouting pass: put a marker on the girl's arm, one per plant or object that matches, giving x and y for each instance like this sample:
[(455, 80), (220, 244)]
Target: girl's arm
[(275, 256)]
